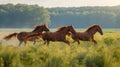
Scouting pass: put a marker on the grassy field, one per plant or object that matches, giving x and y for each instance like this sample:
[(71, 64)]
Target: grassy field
[(105, 54)]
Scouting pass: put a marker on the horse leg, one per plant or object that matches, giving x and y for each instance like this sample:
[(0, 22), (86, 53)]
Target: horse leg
[(78, 41), (25, 42), (44, 42), (34, 42), (95, 42), (20, 43), (67, 42), (74, 41), (48, 43)]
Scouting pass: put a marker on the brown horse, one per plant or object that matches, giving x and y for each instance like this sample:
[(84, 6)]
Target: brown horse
[(59, 35), (88, 35), (21, 36)]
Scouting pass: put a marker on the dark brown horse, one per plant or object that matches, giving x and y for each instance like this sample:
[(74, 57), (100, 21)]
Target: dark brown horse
[(21, 36), (88, 35), (59, 35)]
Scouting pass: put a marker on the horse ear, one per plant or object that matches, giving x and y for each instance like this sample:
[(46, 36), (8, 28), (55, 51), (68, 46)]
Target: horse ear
[(36, 25), (44, 24), (71, 25)]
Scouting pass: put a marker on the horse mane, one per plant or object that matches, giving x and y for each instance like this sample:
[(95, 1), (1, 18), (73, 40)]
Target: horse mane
[(92, 26), (61, 28), (36, 27)]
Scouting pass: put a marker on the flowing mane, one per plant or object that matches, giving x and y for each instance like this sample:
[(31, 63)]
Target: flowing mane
[(61, 28), (36, 27), (92, 26)]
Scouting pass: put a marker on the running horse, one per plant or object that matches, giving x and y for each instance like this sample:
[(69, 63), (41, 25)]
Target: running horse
[(59, 35), (88, 35), (21, 36)]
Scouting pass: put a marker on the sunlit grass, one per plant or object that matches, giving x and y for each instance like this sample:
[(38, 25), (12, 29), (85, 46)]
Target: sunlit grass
[(105, 54)]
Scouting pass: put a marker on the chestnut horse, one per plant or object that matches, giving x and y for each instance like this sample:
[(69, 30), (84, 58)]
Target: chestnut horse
[(21, 36), (88, 35), (59, 35)]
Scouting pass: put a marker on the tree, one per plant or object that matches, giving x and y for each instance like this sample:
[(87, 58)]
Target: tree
[(22, 15)]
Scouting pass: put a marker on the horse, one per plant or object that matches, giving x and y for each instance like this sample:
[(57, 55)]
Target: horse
[(59, 35), (21, 35), (88, 35)]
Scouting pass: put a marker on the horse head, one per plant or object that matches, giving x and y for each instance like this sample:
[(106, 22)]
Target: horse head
[(94, 28), (71, 29), (41, 28), (98, 28)]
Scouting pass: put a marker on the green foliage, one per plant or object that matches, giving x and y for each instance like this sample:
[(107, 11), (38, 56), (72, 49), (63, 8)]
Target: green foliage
[(81, 58), (107, 17), (22, 15), (0, 45), (61, 55), (26, 58), (7, 56), (95, 61), (108, 41), (116, 54), (33, 56), (78, 60), (55, 62)]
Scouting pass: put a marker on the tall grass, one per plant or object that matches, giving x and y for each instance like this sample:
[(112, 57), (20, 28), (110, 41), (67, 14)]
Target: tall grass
[(105, 54)]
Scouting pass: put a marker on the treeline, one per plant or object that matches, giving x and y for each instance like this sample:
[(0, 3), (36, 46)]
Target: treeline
[(22, 15), (81, 17)]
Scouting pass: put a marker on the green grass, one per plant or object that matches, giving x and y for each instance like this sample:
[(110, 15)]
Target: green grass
[(58, 54)]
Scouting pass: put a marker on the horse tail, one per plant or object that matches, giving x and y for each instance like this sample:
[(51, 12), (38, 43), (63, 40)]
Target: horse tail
[(36, 35), (10, 36)]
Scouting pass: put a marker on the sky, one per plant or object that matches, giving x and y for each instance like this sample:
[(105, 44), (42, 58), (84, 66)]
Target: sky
[(65, 3)]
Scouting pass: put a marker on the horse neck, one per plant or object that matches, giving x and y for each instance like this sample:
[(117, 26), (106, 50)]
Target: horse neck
[(74, 32), (37, 31), (91, 31), (63, 32)]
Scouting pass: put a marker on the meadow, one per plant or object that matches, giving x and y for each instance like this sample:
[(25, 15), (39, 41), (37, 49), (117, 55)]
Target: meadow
[(105, 54)]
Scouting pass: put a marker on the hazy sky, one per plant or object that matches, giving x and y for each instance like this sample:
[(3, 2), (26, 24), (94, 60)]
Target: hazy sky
[(65, 3)]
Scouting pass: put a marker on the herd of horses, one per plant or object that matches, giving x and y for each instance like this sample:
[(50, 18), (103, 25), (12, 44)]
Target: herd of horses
[(42, 31)]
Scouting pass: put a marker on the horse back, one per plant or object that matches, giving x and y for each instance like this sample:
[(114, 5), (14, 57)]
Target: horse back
[(22, 35), (81, 36), (52, 36)]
